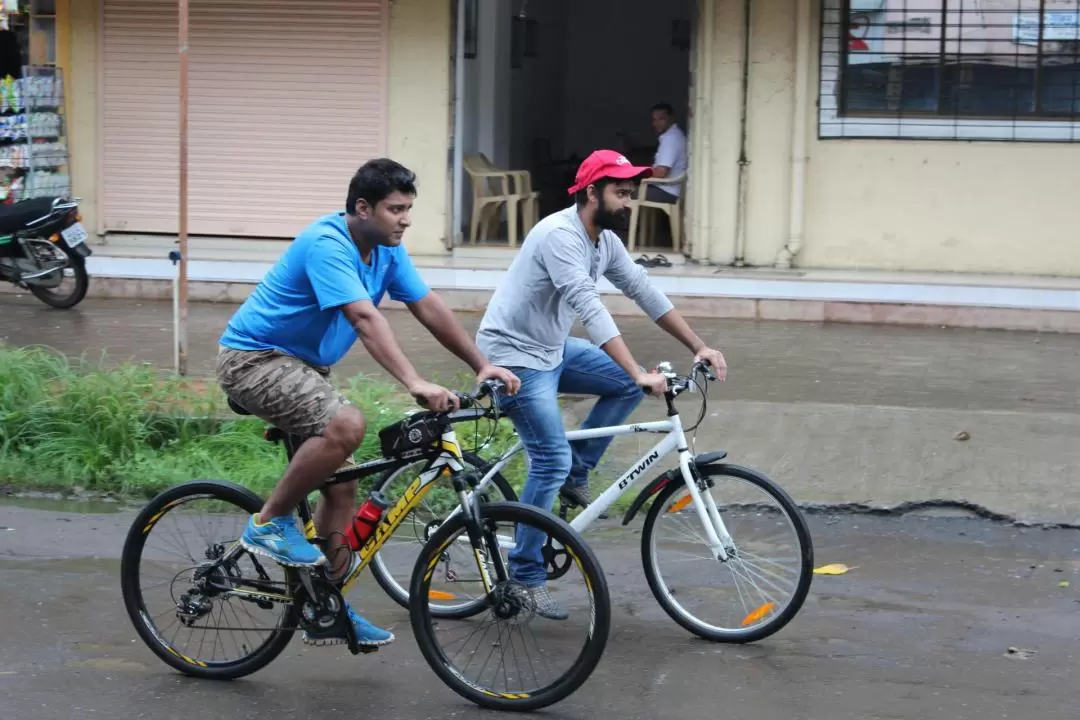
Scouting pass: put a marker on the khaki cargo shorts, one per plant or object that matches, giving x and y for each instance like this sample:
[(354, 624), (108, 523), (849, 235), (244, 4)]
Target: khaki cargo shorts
[(280, 389)]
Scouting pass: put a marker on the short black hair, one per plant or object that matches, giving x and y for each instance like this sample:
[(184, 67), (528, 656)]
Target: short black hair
[(376, 179), (665, 107), (581, 197)]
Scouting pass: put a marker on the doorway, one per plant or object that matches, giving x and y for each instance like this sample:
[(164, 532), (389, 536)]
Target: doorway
[(542, 84)]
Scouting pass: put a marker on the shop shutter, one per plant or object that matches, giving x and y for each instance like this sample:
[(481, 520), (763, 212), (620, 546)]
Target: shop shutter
[(287, 99)]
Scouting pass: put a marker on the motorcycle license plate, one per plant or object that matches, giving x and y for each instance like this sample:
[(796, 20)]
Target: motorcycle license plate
[(74, 235)]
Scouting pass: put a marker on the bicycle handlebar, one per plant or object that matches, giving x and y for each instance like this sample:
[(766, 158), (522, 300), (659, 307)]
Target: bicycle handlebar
[(466, 401), (678, 384)]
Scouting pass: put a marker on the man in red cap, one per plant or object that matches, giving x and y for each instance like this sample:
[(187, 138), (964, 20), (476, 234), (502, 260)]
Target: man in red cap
[(526, 328)]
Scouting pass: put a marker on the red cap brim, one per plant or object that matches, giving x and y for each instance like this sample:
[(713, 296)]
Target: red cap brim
[(615, 172)]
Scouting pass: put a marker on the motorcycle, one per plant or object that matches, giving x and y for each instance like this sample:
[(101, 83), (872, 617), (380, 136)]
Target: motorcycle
[(42, 244)]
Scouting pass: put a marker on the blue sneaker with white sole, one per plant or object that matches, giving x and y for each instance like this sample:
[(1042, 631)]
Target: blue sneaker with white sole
[(367, 635), (280, 540)]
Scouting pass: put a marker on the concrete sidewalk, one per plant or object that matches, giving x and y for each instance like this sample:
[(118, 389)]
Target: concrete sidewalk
[(835, 413)]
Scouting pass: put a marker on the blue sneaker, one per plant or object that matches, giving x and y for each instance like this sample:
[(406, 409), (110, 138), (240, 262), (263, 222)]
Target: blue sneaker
[(280, 540), (367, 635)]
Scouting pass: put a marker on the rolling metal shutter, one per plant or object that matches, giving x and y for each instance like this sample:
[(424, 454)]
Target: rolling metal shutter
[(287, 99)]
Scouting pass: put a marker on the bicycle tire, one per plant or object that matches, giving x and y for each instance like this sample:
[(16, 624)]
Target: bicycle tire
[(806, 553), (587, 660), (129, 580), (391, 586)]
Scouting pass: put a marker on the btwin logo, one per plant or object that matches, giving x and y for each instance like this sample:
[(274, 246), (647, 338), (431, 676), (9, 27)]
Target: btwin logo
[(641, 467)]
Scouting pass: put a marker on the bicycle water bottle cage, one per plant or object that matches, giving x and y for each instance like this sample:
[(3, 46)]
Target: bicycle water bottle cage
[(413, 433)]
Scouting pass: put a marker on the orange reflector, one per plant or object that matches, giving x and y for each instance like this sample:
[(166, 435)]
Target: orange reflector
[(758, 614), (440, 595), (680, 504), (54, 238)]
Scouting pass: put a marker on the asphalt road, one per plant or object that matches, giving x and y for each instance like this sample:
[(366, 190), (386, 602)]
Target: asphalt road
[(919, 629)]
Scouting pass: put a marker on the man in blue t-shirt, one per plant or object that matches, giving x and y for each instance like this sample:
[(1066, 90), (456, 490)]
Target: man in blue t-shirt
[(303, 317)]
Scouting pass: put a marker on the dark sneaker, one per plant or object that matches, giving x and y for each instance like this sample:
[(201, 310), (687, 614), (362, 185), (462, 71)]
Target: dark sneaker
[(367, 635), (580, 496), (545, 605), (280, 540)]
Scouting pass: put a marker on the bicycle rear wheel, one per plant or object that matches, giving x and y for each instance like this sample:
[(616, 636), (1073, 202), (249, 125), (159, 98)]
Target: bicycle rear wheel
[(514, 617), (199, 601), (457, 592), (766, 582)]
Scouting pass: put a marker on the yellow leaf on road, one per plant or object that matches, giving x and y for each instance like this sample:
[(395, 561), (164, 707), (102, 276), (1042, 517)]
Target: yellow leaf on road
[(834, 569)]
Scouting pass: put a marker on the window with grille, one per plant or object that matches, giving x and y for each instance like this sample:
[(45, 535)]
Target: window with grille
[(951, 69)]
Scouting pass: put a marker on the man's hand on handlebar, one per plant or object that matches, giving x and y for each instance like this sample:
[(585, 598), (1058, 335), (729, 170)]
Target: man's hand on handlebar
[(715, 360), (434, 397), (652, 383), (509, 380)]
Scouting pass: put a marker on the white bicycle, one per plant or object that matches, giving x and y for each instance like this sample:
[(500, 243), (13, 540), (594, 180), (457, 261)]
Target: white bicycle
[(722, 515)]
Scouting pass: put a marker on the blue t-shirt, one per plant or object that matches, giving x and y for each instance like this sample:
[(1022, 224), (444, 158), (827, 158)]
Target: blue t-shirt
[(296, 309)]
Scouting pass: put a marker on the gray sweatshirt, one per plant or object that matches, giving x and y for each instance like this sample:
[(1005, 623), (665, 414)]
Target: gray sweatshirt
[(552, 280)]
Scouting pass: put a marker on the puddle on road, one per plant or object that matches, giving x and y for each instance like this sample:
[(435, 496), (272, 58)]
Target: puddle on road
[(82, 506)]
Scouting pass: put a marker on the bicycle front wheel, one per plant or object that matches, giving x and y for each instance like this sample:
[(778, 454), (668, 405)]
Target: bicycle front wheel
[(507, 657), (766, 577)]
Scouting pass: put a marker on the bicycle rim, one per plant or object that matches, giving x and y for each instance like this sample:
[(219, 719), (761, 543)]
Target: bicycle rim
[(764, 581), (511, 656), (203, 604)]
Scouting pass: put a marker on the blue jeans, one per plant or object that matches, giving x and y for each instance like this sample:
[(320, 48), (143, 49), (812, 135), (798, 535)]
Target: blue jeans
[(585, 370)]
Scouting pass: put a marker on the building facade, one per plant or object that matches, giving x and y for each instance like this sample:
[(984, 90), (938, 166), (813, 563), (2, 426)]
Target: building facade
[(855, 135)]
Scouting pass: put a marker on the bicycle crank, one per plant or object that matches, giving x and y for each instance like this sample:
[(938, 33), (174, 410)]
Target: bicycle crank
[(322, 611), (557, 562)]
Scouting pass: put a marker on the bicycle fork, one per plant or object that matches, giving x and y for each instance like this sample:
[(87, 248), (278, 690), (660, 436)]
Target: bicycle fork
[(463, 483), (716, 534)]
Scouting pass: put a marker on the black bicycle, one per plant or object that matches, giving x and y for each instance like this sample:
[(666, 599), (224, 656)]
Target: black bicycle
[(207, 581)]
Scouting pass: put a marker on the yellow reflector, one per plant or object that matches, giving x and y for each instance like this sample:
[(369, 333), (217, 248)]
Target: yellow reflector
[(758, 614), (439, 595), (681, 504)]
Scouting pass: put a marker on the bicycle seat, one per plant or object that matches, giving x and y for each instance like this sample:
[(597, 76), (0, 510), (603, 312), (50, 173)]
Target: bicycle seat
[(237, 408)]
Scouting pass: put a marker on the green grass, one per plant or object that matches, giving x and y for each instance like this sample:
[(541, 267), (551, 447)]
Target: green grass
[(84, 424)]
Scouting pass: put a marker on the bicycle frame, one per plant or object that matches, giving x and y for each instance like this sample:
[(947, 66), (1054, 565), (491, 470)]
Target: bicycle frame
[(449, 461), (675, 439)]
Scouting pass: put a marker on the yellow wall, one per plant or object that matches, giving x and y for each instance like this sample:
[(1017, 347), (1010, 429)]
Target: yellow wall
[(871, 204), (419, 114), (82, 90), (986, 207)]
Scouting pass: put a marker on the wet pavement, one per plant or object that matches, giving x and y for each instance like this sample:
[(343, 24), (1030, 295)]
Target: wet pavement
[(919, 629), (868, 415), (785, 362)]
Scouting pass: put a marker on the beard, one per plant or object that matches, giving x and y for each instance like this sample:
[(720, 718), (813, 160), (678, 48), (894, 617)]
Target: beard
[(614, 220)]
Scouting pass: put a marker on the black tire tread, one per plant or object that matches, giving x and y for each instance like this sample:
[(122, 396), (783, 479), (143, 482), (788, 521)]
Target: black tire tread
[(82, 285)]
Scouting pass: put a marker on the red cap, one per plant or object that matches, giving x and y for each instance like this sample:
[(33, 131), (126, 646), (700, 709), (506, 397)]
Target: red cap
[(606, 164)]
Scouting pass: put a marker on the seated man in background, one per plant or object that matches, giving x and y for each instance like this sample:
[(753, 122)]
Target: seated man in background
[(670, 158)]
